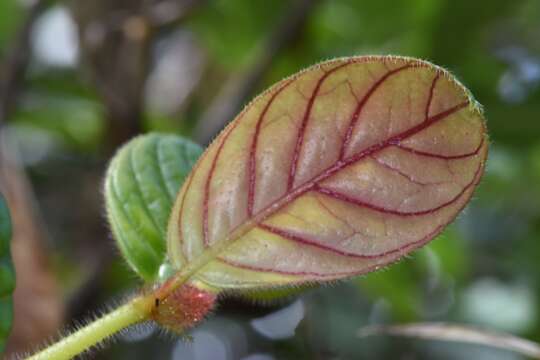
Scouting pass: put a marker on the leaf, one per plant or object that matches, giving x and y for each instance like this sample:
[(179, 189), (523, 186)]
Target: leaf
[(140, 187), (7, 275), (336, 171), (456, 333)]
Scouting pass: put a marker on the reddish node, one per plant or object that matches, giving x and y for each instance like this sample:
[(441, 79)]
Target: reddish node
[(183, 308)]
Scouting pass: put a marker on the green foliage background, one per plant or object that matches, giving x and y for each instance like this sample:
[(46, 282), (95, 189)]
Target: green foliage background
[(486, 263)]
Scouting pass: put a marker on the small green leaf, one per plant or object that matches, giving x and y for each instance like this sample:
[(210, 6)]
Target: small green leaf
[(7, 275), (140, 187)]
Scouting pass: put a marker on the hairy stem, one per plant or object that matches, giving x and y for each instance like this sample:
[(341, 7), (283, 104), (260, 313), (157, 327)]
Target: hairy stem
[(135, 311)]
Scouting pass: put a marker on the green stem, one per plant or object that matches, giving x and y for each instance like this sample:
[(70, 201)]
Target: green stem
[(135, 311)]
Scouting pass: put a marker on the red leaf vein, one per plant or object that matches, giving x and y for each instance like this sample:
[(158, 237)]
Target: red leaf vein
[(303, 124), (252, 165), (356, 114)]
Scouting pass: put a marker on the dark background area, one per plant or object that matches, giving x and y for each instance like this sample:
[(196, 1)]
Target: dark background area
[(78, 78)]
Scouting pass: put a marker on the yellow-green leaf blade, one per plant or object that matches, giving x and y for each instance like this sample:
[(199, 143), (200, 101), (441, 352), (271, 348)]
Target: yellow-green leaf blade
[(336, 171)]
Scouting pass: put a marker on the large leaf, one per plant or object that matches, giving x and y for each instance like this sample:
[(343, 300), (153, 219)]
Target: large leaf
[(333, 172), (7, 275), (140, 187)]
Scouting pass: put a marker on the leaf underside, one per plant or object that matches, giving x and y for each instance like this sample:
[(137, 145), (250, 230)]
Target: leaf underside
[(140, 187), (336, 171), (7, 275)]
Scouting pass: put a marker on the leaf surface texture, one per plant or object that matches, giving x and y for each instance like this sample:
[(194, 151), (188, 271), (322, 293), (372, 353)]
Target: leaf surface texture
[(336, 171)]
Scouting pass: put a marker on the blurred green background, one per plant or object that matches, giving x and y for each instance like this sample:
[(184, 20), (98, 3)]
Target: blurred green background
[(78, 78)]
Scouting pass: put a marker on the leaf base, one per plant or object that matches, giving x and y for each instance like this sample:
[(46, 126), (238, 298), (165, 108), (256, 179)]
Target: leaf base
[(183, 308)]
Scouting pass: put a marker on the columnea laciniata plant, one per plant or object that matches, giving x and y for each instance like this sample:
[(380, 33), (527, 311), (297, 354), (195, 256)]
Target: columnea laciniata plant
[(334, 172)]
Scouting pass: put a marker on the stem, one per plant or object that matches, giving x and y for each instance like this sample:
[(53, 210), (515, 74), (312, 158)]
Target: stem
[(135, 311)]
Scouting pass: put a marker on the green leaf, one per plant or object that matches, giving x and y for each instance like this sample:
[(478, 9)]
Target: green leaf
[(140, 187), (7, 275)]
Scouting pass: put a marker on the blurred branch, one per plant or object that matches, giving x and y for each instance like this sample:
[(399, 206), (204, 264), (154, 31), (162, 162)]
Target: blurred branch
[(156, 15), (37, 303), (13, 66), (169, 13), (115, 55), (37, 300), (116, 39), (239, 89), (456, 333)]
